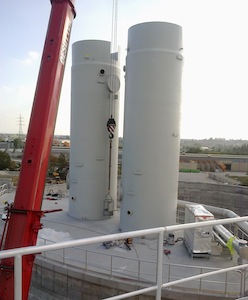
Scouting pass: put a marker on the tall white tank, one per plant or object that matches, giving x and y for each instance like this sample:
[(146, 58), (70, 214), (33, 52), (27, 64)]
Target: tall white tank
[(94, 98), (151, 139)]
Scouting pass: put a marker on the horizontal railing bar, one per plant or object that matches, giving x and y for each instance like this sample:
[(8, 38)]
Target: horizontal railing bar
[(132, 259), (177, 227), (168, 284), (85, 241), (109, 237), (134, 293)]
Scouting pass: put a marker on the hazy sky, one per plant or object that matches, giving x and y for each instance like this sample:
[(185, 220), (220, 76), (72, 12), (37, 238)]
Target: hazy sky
[(215, 76)]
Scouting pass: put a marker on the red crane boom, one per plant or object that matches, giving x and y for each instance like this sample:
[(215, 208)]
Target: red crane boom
[(24, 222)]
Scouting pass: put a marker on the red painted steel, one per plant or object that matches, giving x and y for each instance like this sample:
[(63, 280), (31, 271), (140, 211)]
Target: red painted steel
[(24, 222)]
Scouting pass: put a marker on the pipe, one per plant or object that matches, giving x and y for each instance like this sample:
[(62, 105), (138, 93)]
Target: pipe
[(237, 243), (220, 229), (222, 212)]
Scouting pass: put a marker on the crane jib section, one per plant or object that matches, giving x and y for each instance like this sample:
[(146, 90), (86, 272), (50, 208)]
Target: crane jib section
[(24, 220)]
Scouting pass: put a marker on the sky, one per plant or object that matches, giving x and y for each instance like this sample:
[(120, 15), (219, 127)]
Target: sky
[(215, 72)]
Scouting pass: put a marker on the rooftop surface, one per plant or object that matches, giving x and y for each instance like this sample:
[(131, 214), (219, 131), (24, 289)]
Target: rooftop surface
[(60, 226)]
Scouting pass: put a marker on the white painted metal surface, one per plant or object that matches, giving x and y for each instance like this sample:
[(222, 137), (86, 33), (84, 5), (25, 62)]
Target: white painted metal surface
[(198, 240), (95, 96), (151, 126)]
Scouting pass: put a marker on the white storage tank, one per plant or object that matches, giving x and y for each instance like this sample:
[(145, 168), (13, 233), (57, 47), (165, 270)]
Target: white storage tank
[(95, 87), (151, 139)]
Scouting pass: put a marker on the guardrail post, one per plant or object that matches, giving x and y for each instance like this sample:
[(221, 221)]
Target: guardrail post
[(243, 282), (111, 266), (200, 287), (169, 273), (18, 277), (63, 256), (45, 251), (159, 264), (86, 260), (226, 284)]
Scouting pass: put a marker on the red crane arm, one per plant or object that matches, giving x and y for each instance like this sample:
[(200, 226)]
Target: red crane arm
[(24, 222)]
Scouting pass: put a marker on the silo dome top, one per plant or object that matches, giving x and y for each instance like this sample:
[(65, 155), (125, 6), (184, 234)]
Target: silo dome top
[(170, 36)]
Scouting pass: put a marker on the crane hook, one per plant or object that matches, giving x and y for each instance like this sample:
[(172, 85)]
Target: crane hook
[(111, 127)]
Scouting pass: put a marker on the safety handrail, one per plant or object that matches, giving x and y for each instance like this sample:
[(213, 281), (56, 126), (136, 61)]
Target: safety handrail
[(108, 266), (160, 231), (3, 189)]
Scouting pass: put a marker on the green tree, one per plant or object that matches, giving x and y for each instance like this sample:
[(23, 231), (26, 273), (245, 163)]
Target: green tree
[(63, 165), (18, 143), (53, 162), (5, 161), (62, 161), (194, 149), (13, 165)]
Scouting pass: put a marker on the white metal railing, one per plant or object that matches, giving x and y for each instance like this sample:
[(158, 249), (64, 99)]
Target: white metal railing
[(3, 189), (19, 252), (136, 269)]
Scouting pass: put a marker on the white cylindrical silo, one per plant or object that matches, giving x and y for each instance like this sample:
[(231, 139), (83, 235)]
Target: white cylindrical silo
[(94, 99), (151, 138)]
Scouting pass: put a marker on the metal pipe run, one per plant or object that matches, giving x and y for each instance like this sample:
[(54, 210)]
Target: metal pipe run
[(221, 212), (225, 234)]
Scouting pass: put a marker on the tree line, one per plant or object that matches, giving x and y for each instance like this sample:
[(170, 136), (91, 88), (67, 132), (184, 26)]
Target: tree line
[(230, 150), (58, 164), (61, 162)]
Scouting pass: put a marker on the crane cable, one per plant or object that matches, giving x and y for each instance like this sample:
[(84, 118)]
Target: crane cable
[(113, 57), (111, 124)]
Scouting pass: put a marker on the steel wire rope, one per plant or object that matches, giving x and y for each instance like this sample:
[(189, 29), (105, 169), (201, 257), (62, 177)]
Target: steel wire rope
[(113, 56), (111, 124)]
